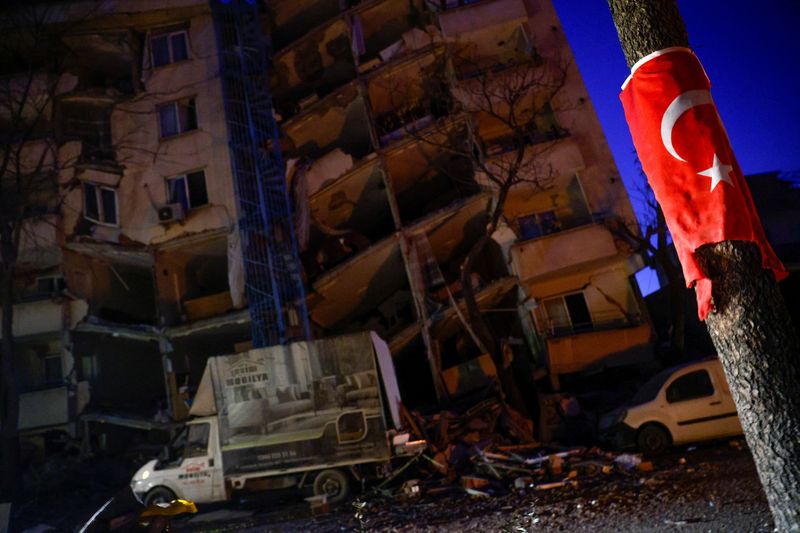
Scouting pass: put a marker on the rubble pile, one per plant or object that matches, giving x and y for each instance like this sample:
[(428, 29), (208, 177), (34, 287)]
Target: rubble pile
[(490, 450)]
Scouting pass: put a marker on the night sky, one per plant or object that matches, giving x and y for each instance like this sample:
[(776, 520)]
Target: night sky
[(751, 53)]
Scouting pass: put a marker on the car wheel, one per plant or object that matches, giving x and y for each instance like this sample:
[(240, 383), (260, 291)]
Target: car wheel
[(653, 439), (159, 495), (332, 483)]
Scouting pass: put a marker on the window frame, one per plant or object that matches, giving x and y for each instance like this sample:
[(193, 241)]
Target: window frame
[(185, 177), (563, 299), (98, 188), (683, 376), (175, 103), (169, 35), (188, 451), (56, 281)]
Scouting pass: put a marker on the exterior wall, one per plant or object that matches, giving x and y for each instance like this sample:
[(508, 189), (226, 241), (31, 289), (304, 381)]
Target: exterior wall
[(570, 248), (582, 352), (600, 179), (148, 160)]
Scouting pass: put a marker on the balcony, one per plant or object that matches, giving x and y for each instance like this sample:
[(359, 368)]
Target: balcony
[(53, 406), (476, 14), (598, 347), (562, 250), (338, 121), (293, 18)]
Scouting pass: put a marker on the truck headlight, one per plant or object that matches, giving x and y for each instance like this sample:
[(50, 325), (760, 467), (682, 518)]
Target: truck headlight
[(145, 475)]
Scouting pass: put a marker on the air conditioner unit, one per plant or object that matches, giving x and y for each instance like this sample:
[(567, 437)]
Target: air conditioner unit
[(168, 213)]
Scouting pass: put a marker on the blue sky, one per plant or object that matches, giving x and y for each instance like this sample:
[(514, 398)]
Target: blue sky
[(751, 53)]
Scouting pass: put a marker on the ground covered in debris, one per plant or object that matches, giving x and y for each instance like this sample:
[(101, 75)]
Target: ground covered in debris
[(712, 487)]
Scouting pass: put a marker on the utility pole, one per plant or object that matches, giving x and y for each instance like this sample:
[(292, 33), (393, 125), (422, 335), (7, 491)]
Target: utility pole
[(750, 326)]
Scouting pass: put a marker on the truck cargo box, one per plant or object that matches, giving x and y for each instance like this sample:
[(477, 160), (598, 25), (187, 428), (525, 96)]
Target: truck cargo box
[(326, 402)]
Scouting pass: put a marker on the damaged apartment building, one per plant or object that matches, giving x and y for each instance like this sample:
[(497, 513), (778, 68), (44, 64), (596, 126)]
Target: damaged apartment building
[(387, 170)]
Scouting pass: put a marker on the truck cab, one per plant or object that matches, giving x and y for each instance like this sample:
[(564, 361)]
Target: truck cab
[(190, 469)]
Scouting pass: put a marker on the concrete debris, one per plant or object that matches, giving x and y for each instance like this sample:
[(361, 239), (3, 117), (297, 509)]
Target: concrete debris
[(628, 461), (411, 489), (488, 450), (319, 504), (326, 169)]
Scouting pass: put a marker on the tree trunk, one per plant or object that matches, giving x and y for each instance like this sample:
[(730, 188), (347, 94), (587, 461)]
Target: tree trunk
[(9, 395), (750, 329), (476, 320)]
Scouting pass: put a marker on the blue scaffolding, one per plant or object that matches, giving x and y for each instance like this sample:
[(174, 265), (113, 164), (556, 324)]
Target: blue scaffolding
[(273, 278)]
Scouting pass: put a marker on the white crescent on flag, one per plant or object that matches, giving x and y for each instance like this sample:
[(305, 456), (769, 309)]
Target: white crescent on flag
[(680, 105)]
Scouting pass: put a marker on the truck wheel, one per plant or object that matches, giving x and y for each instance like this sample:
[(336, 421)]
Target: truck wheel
[(334, 484), (653, 439), (159, 495)]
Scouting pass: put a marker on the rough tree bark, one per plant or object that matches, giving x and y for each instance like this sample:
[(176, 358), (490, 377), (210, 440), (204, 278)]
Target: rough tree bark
[(750, 327)]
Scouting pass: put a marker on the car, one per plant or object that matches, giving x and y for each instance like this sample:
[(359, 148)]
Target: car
[(683, 404)]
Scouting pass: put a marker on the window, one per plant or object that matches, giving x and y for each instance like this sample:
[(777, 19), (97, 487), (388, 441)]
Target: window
[(50, 284), (188, 189), (568, 314), (538, 224), (177, 117), (100, 204), (197, 441), (689, 387), (169, 48)]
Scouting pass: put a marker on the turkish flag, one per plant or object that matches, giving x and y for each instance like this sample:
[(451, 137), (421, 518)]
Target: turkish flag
[(686, 154)]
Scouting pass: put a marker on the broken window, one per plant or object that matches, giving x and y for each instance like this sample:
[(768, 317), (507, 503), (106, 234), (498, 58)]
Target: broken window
[(177, 117), (568, 314), (690, 387), (169, 48), (90, 124), (100, 204), (188, 189)]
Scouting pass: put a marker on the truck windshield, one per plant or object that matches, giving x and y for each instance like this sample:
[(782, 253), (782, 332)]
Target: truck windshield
[(197, 441)]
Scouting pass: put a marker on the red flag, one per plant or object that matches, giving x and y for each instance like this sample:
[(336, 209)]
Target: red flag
[(686, 154)]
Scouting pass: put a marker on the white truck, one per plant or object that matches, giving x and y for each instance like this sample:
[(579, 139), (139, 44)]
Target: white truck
[(322, 413)]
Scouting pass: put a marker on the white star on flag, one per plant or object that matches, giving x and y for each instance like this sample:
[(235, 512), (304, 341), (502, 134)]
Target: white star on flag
[(718, 172)]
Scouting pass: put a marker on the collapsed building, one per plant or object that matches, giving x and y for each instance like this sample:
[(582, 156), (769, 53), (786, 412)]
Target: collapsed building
[(387, 167)]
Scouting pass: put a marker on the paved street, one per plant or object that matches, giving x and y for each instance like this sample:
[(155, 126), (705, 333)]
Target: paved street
[(714, 489)]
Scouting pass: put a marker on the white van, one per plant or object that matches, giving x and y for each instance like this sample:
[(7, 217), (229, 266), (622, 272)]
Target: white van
[(683, 404)]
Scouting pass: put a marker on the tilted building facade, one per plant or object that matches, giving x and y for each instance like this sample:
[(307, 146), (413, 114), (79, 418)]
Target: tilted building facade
[(389, 165)]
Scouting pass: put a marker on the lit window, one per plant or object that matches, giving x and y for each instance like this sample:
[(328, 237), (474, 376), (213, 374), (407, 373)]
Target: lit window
[(188, 189), (169, 48), (177, 117), (100, 204)]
